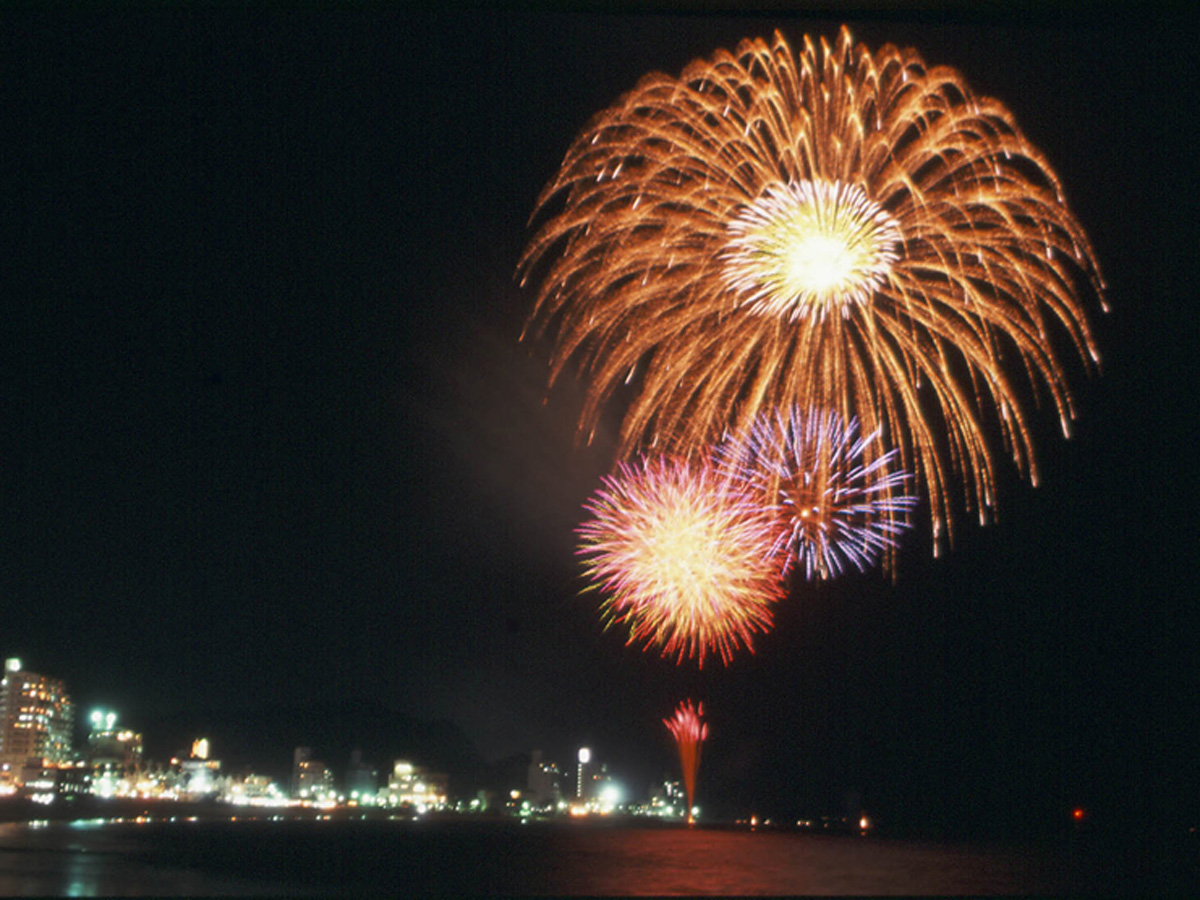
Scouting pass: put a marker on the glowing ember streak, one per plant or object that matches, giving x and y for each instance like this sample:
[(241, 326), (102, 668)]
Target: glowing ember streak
[(689, 732), (689, 561), (839, 228), (840, 504)]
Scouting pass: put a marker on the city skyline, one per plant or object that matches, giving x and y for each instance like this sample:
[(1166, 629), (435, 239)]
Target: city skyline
[(271, 439), (41, 733), (40, 761)]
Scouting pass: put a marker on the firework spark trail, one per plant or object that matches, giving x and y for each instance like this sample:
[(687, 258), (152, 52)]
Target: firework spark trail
[(688, 560), (690, 731), (835, 228), (839, 505)]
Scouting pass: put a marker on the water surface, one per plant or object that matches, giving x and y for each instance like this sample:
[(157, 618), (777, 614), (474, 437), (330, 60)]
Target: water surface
[(401, 858)]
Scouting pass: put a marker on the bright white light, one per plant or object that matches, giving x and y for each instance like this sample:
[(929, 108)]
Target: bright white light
[(12, 664), (810, 247), (610, 794), (817, 263), (585, 755)]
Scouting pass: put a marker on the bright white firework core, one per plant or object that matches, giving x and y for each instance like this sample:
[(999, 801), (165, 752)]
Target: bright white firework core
[(808, 247)]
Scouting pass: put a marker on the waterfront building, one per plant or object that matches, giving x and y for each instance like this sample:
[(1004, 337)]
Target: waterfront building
[(157, 780), (667, 800), (362, 780), (198, 777), (114, 756), (253, 790), (36, 717), (311, 778), (604, 793), (299, 755), (544, 783), (414, 786)]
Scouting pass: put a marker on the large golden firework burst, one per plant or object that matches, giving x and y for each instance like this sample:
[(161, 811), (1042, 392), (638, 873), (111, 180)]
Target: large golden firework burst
[(844, 229)]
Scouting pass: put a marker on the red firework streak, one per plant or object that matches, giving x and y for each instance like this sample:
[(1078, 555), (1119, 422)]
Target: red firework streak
[(690, 732)]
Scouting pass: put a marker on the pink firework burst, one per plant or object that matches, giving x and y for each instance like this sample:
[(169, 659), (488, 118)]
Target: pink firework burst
[(687, 559)]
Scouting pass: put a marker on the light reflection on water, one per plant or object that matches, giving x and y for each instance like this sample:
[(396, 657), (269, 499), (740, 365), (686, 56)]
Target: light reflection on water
[(739, 862), (102, 858), (261, 857)]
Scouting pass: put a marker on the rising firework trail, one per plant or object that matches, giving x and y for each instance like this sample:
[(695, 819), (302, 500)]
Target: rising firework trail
[(688, 560), (689, 732), (815, 471), (839, 228)]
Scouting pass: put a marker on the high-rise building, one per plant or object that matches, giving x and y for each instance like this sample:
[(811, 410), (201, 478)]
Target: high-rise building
[(35, 718), (544, 782)]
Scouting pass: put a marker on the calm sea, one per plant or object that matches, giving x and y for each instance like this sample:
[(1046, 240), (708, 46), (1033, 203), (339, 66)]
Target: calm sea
[(250, 857)]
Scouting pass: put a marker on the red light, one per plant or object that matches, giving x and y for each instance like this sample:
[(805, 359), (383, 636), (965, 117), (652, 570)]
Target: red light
[(1077, 814)]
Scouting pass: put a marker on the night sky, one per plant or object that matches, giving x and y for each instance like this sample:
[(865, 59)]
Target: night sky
[(268, 435)]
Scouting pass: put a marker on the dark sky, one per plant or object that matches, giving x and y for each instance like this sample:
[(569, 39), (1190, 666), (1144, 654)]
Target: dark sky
[(267, 433)]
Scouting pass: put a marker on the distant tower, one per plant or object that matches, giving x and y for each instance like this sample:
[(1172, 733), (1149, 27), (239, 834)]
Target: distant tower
[(36, 717), (585, 756)]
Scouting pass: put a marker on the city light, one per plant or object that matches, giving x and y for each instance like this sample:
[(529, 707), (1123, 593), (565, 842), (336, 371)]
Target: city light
[(103, 720), (111, 768), (585, 755), (608, 799)]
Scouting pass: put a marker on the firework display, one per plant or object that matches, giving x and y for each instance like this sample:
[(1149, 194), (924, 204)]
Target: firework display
[(814, 470), (688, 560), (690, 731), (836, 228)]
